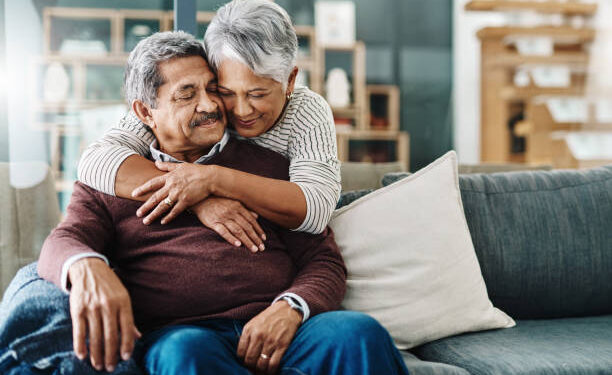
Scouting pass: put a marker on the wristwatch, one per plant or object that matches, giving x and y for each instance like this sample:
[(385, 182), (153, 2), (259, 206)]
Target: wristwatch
[(294, 304)]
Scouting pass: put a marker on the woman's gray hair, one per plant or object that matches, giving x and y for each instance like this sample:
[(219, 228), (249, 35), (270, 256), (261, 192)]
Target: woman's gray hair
[(142, 77), (257, 33)]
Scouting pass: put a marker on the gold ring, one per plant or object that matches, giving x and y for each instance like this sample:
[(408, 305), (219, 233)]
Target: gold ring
[(168, 201), (264, 356)]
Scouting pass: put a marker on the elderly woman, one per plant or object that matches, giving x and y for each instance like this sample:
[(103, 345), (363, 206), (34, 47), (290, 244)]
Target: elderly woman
[(252, 46)]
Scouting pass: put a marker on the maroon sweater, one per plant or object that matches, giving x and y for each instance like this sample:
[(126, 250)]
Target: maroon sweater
[(183, 271)]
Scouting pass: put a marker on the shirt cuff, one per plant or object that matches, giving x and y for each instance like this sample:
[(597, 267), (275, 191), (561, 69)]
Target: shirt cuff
[(299, 300), (70, 261)]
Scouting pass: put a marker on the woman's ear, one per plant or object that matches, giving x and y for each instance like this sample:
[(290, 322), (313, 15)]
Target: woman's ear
[(291, 80), (143, 112)]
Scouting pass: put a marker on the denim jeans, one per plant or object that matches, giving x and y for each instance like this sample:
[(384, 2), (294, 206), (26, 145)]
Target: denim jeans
[(338, 342)]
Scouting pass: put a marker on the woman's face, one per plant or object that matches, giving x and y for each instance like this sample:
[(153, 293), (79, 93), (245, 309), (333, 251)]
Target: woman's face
[(253, 103)]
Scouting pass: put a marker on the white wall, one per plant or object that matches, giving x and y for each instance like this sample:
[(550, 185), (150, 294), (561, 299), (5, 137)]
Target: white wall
[(466, 79)]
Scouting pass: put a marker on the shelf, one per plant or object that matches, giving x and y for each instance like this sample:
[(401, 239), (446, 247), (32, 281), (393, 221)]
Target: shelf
[(348, 112), (507, 60), (556, 32), (568, 8), (523, 93)]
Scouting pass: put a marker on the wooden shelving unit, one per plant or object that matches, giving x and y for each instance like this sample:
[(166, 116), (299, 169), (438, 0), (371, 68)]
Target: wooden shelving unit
[(501, 59)]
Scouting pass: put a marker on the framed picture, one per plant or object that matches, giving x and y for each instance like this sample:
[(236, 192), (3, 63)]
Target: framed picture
[(335, 23)]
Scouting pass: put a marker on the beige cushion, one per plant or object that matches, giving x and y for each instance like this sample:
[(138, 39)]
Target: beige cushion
[(29, 211), (361, 176), (410, 259)]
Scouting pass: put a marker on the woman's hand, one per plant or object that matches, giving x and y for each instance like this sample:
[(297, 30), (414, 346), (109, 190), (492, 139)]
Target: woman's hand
[(232, 221), (183, 186)]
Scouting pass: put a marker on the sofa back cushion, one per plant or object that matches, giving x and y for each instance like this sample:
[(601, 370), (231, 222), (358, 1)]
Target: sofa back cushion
[(543, 240)]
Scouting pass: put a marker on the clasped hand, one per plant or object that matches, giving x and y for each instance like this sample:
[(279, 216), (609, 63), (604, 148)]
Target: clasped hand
[(190, 186)]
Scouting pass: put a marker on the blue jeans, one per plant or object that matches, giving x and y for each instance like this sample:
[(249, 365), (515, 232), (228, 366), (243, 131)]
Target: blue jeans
[(339, 342)]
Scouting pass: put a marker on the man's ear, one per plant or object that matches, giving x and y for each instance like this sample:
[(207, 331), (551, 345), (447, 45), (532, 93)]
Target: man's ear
[(291, 80), (143, 112)]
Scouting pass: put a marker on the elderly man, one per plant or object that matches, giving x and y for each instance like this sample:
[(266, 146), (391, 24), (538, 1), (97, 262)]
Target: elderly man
[(203, 305)]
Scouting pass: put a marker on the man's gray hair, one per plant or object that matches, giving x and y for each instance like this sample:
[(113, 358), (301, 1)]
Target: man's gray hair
[(142, 77), (257, 33)]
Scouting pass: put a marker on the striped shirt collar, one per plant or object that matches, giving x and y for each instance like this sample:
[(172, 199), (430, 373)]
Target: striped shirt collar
[(158, 155)]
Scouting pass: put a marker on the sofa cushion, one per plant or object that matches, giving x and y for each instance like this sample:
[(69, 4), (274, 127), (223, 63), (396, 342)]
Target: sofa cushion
[(410, 260), (573, 346), (543, 240), (417, 366)]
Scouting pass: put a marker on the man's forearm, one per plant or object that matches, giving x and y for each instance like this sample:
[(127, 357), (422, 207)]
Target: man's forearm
[(279, 201)]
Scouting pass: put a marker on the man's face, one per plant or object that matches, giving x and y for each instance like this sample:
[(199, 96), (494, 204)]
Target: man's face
[(190, 116)]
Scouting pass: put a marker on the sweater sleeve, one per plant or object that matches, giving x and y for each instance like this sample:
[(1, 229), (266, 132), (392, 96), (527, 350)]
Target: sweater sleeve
[(314, 166), (321, 277), (86, 228), (101, 160)]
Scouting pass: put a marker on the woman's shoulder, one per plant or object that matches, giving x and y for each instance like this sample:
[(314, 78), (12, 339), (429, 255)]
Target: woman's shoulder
[(303, 96), (309, 108)]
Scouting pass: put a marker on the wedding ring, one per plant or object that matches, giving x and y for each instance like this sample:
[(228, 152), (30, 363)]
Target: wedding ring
[(168, 201), (264, 356)]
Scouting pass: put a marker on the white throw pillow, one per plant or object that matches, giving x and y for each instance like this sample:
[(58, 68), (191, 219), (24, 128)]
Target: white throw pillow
[(410, 259)]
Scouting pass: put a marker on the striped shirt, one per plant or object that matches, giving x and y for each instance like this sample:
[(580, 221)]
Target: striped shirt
[(305, 134)]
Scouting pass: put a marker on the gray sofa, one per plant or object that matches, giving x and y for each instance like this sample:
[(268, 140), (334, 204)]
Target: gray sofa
[(544, 243)]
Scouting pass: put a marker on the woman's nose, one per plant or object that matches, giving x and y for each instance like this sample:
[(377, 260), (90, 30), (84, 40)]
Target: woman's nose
[(242, 108)]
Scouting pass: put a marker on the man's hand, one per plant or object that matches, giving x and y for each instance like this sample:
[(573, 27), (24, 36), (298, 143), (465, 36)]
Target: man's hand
[(100, 306), (232, 221), (185, 184), (267, 336)]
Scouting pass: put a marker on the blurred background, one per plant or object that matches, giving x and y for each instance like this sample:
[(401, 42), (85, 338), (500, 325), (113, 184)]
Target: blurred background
[(508, 84)]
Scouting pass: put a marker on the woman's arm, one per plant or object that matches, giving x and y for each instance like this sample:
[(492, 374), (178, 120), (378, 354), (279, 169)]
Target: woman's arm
[(304, 203), (116, 164)]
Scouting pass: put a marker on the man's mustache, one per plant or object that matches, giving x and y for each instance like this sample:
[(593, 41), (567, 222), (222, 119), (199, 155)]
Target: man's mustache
[(217, 115)]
